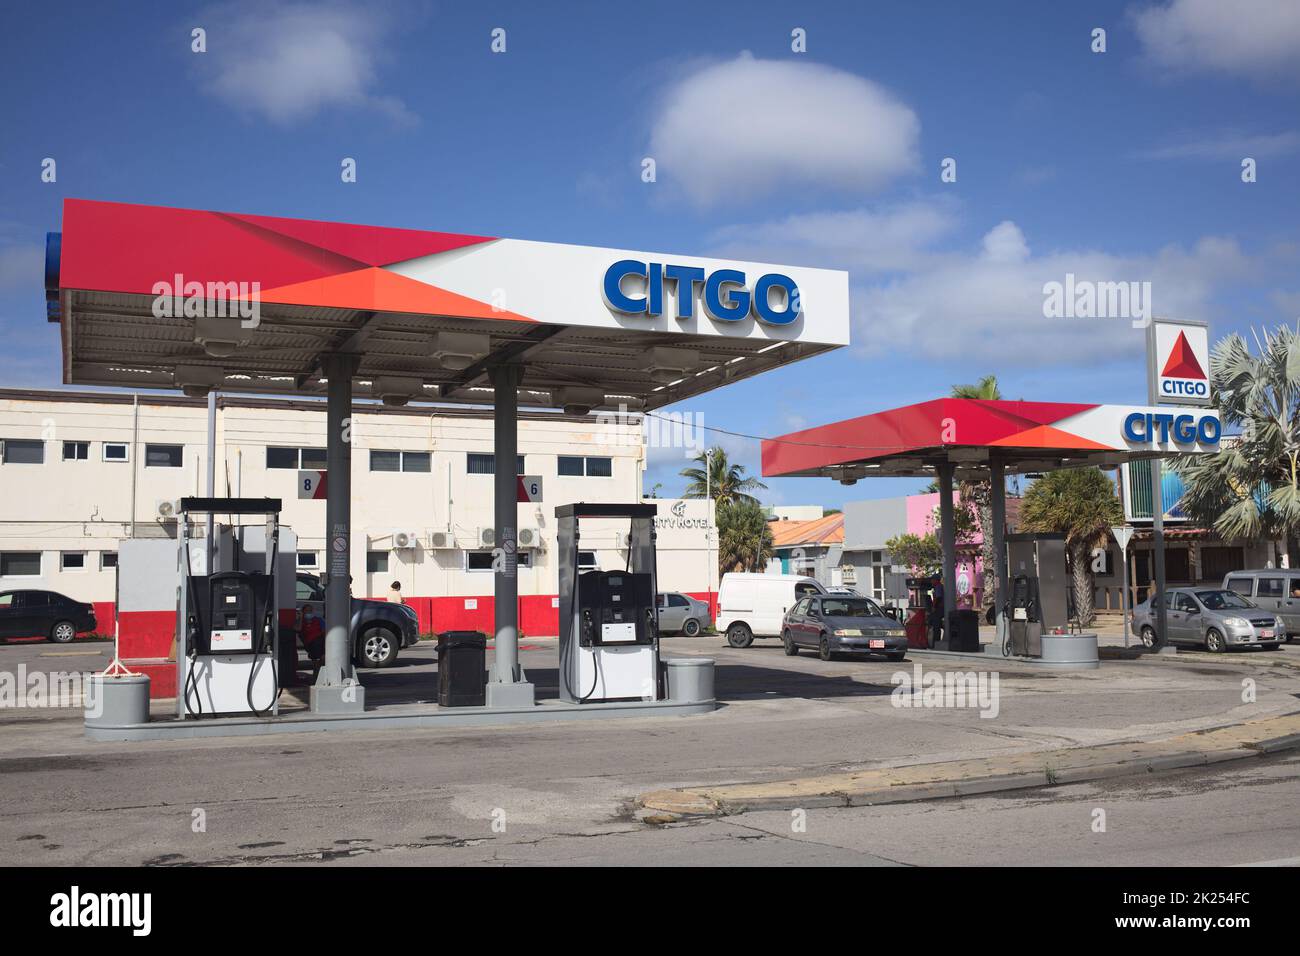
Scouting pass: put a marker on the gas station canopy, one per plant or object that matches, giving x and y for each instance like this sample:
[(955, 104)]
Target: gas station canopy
[(427, 313), (970, 433)]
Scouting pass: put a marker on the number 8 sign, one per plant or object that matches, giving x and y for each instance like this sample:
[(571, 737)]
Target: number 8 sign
[(311, 485)]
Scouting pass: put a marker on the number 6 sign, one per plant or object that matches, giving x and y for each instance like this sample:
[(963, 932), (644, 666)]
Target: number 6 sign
[(530, 488)]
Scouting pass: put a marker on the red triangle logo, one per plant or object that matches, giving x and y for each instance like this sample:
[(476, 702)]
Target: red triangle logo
[(1182, 361)]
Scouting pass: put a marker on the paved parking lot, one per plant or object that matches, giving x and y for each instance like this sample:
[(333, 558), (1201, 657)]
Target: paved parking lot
[(431, 795)]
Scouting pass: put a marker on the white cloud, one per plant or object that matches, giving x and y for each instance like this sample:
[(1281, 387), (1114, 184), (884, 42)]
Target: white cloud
[(985, 301), (886, 239), (1228, 145), (989, 306), (289, 62), (749, 127), (1254, 38)]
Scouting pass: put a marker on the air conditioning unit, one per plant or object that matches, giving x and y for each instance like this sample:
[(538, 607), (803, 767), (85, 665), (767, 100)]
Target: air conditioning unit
[(442, 540), (528, 537), (406, 539), (168, 508), (622, 540), (487, 537)]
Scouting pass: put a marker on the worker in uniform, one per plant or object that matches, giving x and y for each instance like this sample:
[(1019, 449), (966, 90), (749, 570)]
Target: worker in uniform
[(311, 629), (936, 612)]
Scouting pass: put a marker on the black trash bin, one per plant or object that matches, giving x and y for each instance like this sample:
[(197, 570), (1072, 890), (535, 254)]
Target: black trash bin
[(462, 669), (964, 630)]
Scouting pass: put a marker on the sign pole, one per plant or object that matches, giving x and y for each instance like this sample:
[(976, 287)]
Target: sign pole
[(1123, 534), (1181, 380)]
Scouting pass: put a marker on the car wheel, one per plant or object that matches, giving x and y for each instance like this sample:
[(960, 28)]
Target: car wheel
[(691, 628), (63, 632), (1214, 641), (824, 648), (791, 648), (1148, 637), (739, 635), (377, 648)]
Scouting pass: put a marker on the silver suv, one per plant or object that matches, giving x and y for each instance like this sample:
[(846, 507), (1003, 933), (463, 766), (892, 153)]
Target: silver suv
[(1273, 589)]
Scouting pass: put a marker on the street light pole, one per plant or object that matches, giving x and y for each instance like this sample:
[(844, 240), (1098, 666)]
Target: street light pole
[(708, 534)]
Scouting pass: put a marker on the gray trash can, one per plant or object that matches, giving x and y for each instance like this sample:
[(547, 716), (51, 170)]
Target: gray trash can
[(117, 701), (690, 679)]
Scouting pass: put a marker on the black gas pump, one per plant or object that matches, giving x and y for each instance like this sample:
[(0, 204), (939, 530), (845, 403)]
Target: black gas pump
[(617, 607), (1024, 618)]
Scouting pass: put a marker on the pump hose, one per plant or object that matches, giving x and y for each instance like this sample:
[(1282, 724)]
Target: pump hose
[(265, 642), (595, 658)]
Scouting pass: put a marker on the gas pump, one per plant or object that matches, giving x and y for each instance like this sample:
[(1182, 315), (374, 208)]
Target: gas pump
[(609, 627), (918, 609), (227, 622), (1024, 618)]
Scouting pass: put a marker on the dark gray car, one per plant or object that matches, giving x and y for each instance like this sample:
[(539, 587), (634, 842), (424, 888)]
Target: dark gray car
[(379, 628), (834, 624), (1213, 618)]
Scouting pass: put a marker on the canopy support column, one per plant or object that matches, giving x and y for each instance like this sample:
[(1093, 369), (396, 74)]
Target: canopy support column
[(998, 500), (337, 690), (948, 539), (507, 688)]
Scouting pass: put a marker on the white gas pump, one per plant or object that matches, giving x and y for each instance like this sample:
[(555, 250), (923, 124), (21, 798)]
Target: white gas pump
[(609, 627), (227, 621)]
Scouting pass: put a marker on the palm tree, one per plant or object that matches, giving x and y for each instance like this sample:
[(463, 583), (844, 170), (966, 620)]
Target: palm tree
[(980, 493), (1081, 504), (744, 538), (725, 482), (1250, 488)]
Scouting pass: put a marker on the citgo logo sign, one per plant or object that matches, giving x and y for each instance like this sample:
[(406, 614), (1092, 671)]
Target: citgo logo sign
[(726, 296), (1143, 428), (1180, 362)]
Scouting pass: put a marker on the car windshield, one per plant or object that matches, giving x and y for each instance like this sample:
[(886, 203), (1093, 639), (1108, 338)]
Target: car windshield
[(1218, 600), (850, 607)]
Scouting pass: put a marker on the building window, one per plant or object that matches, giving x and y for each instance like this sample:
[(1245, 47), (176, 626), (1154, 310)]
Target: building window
[(22, 451), (400, 460), (116, 451), (282, 457), (586, 560), (76, 450), (417, 461), (107, 560), (376, 562), (482, 560), (20, 564), (576, 466), (312, 458), (478, 463), (72, 561), (307, 559), (163, 456)]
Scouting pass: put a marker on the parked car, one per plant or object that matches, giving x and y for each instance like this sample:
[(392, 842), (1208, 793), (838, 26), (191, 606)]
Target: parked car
[(755, 605), (1273, 589), (379, 628), (842, 625), (682, 614), (47, 614), (1215, 618)]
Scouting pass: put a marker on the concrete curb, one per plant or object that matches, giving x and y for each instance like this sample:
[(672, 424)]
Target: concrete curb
[(967, 778)]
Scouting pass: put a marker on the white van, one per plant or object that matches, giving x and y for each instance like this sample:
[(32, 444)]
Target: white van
[(754, 605)]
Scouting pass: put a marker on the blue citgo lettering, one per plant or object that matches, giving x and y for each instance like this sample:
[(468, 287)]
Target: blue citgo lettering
[(726, 305), (1207, 430), (614, 277), (763, 310), (1131, 424), (685, 277)]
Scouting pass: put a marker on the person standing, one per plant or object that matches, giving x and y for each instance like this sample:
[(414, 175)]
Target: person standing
[(395, 593), (936, 612)]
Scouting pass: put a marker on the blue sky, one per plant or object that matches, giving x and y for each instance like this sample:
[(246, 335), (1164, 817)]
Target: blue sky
[(1117, 166)]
